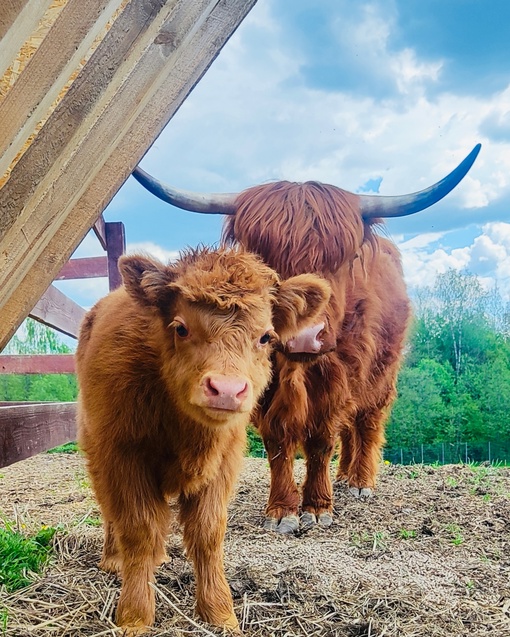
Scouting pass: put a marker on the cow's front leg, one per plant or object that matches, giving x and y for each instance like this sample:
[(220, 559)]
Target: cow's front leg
[(362, 455), (317, 489), (283, 503), (204, 517)]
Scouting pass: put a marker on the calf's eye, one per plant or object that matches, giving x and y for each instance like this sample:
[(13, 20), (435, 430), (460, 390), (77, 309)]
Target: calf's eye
[(265, 338), (181, 330)]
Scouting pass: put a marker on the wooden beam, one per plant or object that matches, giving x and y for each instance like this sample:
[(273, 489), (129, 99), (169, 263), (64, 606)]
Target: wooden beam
[(55, 309), (18, 19), (134, 82), (100, 231), (59, 55), (115, 248), (26, 430), (86, 268), (37, 364)]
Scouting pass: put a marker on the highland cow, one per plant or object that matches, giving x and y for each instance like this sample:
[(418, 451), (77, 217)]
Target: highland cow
[(334, 381)]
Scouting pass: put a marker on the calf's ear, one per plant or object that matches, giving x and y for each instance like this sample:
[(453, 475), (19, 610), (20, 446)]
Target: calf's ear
[(146, 279), (300, 301)]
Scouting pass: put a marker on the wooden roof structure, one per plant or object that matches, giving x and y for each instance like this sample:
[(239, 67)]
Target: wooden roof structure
[(85, 89), (86, 86)]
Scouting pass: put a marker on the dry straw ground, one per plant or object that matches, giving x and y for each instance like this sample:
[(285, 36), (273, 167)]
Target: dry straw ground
[(428, 556)]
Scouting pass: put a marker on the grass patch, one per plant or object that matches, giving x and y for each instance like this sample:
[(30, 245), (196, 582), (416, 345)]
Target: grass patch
[(22, 556), (69, 447)]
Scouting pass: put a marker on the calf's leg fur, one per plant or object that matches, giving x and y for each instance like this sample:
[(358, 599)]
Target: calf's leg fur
[(136, 524), (204, 518)]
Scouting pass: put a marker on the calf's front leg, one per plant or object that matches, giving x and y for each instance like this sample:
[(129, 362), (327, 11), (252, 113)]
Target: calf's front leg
[(140, 542), (204, 517)]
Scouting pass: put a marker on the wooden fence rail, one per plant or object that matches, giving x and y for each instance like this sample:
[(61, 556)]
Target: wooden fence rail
[(31, 428)]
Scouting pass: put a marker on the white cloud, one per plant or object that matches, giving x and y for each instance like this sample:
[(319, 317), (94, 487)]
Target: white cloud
[(421, 240), (488, 257), (152, 249)]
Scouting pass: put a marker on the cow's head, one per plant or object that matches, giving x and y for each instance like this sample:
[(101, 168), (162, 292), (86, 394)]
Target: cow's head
[(220, 313), (309, 227)]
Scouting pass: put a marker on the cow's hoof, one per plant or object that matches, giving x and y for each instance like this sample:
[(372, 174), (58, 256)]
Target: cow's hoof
[(325, 519), (307, 521), (361, 493), (288, 524), (270, 524)]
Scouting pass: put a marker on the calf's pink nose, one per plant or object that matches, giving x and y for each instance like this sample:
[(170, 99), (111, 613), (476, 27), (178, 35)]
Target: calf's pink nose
[(225, 392)]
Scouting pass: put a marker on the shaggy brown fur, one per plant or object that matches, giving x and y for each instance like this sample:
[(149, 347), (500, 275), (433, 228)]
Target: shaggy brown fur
[(170, 367), (342, 393)]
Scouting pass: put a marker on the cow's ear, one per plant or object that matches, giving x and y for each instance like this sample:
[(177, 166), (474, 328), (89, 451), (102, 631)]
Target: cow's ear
[(146, 279), (299, 302)]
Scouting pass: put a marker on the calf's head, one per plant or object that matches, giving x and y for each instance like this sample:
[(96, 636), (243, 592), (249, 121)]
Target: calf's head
[(216, 316)]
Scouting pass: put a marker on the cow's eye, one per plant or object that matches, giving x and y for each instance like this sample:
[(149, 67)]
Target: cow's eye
[(181, 330), (265, 338)]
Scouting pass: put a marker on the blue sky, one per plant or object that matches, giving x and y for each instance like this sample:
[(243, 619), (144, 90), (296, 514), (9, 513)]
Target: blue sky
[(381, 96)]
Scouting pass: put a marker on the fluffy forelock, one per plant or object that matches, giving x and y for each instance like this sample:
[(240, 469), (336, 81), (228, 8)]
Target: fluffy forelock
[(298, 227), (226, 277)]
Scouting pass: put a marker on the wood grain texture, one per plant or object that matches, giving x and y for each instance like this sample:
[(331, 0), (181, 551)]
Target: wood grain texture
[(56, 310), (100, 231), (136, 79), (26, 430), (115, 248), (86, 268), (18, 19), (9, 11), (37, 364), (51, 67)]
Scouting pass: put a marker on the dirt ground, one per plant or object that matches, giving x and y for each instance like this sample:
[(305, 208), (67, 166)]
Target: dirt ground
[(427, 556)]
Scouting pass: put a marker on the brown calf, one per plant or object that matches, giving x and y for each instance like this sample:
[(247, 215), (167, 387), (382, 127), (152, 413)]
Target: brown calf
[(170, 367)]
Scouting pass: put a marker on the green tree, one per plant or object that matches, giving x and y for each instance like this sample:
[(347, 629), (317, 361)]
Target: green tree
[(35, 338), (455, 381)]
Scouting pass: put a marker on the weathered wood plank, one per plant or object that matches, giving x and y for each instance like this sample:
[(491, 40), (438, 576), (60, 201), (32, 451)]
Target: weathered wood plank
[(9, 11), (100, 231), (85, 268), (18, 19), (139, 76), (26, 430), (51, 67), (55, 309), (37, 364), (115, 248)]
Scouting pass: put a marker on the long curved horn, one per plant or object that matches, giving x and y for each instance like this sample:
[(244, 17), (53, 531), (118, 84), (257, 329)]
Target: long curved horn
[(370, 205), (401, 205), (216, 203)]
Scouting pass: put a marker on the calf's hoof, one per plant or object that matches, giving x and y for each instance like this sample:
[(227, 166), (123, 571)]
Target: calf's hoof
[(232, 625), (111, 564), (133, 630), (361, 493)]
